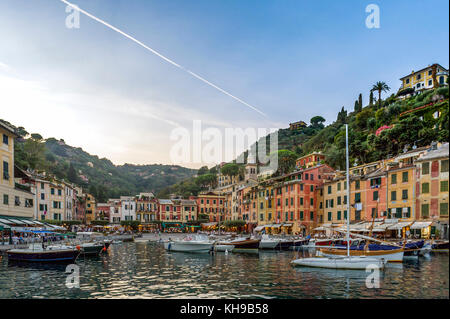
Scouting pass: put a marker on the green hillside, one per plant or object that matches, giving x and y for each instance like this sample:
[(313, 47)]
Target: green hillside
[(98, 176), (377, 131)]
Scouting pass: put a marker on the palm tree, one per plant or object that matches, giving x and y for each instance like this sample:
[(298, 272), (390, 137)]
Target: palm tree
[(380, 87)]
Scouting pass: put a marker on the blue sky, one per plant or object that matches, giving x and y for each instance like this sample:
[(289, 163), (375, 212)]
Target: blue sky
[(291, 59)]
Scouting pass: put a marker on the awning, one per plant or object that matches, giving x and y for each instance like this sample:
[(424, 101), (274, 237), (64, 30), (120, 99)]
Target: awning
[(319, 228), (399, 225), (259, 228), (268, 225), (54, 226), (209, 224), (17, 222), (6, 221), (276, 225), (4, 226), (420, 225), (287, 224)]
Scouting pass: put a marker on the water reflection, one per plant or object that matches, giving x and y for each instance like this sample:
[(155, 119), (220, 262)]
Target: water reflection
[(146, 270)]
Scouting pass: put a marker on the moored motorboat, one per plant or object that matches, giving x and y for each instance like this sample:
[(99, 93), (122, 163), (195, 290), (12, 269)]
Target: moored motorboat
[(38, 253), (196, 244), (243, 244), (285, 244), (302, 242), (344, 262), (268, 243), (92, 248)]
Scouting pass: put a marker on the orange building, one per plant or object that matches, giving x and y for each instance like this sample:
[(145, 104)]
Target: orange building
[(211, 204), (309, 160)]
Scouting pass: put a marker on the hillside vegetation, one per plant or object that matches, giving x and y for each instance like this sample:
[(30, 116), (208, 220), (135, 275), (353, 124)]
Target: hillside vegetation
[(98, 176), (381, 129)]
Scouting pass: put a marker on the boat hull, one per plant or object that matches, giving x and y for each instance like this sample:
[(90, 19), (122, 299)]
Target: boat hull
[(269, 244), (247, 245), (285, 245), (394, 255), (43, 256), (358, 262), (92, 250), (193, 247), (223, 248), (440, 247)]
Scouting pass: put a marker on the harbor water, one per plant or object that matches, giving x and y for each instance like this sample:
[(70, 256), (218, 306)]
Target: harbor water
[(146, 270)]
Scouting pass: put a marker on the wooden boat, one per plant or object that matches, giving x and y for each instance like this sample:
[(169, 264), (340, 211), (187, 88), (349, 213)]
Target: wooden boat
[(38, 253), (354, 262), (411, 249), (243, 244), (392, 255)]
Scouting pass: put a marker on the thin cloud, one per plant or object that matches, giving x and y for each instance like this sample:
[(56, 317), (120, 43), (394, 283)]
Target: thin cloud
[(163, 57)]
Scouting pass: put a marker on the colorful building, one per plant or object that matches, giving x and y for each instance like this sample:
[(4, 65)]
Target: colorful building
[(102, 211), (211, 204), (16, 200), (115, 211), (310, 160), (89, 212), (423, 79), (432, 176), (128, 210), (147, 208), (297, 125)]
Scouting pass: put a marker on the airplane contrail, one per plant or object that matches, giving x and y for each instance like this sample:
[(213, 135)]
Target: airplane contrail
[(162, 56)]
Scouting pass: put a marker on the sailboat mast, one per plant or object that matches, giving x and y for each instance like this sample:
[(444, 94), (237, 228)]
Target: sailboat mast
[(348, 190)]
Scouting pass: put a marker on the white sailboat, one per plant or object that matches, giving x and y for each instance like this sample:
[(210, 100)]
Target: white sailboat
[(342, 262)]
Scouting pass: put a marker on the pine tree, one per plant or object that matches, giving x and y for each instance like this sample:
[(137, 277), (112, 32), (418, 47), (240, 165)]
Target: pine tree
[(360, 101), (371, 98)]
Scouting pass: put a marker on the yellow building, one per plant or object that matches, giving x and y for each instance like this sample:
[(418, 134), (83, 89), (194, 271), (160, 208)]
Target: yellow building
[(266, 203), (335, 200), (423, 79), (90, 208), (432, 191), (15, 201)]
